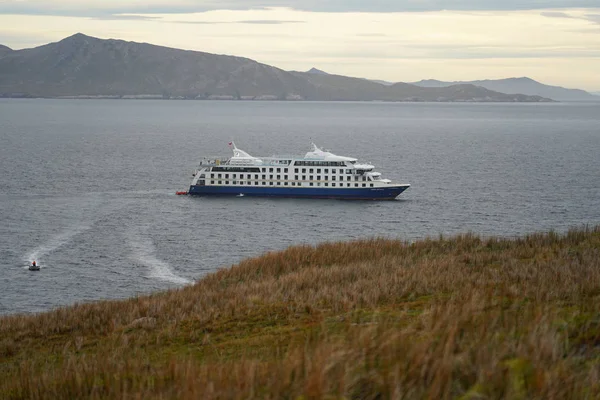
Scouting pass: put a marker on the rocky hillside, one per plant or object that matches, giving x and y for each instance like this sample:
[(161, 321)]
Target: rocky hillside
[(83, 66)]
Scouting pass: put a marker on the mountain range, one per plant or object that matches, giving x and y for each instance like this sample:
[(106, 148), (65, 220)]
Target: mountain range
[(518, 85), (509, 85), (84, 66)]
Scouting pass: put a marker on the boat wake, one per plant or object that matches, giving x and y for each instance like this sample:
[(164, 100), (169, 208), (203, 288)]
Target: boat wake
[(143, 253), (52, 245)]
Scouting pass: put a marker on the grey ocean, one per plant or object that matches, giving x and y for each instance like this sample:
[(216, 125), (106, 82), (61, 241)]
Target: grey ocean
[(87, 187)]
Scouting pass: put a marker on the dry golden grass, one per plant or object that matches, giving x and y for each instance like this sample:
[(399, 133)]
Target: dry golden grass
[(459, 317)]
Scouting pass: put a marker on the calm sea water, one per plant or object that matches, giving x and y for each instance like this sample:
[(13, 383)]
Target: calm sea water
[(87, 187)]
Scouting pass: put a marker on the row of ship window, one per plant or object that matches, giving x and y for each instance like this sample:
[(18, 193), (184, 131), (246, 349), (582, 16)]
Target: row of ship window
[(263, 183), (320, 163), (285, 170), (285, 177)]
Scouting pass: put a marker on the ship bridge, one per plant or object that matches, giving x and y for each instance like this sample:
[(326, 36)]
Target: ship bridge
[(240, 157)]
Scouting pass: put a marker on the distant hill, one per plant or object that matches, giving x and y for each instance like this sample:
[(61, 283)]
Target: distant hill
[(517, 85), (84, 66), (386, 83), (343, 87), (316, 71), (433, 83), (4, 49)]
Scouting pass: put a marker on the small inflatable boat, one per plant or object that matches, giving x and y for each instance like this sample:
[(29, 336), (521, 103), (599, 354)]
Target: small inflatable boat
[(34, 267)]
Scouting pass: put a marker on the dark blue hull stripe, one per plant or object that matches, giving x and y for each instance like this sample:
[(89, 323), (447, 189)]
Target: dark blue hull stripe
[(386, 193)]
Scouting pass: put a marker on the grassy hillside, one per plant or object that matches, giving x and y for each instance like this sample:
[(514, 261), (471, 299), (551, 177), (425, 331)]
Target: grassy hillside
[(459, 317)]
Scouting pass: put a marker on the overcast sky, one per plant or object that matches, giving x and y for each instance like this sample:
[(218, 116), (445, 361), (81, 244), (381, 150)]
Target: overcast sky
[(553, 41)]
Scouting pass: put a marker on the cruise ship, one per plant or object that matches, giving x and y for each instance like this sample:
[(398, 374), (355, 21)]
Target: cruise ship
[(319, 174)]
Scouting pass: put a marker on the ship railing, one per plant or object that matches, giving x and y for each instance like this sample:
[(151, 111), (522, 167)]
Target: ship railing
[(277, 160), (283, 157), (212, 161)]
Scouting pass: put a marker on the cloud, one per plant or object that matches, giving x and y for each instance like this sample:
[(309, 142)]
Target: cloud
[(97, 8), (555, 14), (125, 17), (371, 34), (268, 22), (249, 21), (595, 18), (449, 52), (197, 22)]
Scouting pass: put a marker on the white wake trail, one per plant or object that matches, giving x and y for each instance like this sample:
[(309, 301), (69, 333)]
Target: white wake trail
[(143, 253), (53, 244)]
